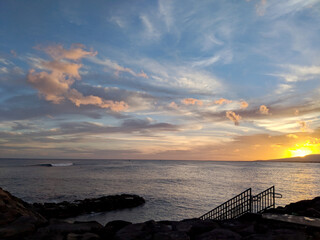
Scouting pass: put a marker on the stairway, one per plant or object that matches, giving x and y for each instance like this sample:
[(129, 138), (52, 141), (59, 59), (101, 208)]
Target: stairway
[(243, 203)]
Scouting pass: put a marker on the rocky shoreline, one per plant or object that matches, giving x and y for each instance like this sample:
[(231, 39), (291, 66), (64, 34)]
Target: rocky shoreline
[(79, 207), (20, 220)]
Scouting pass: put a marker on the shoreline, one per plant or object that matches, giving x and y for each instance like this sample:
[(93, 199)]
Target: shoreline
[(20, 220)]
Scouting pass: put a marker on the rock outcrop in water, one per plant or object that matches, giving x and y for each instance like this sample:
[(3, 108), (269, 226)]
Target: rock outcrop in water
[(18, 221), (78, 207)]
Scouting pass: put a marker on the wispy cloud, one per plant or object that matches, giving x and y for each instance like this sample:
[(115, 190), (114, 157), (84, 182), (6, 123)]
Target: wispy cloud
[(112, 65), (296, 73)]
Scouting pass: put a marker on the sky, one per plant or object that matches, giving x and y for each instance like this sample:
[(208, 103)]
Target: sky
[(146, 79)]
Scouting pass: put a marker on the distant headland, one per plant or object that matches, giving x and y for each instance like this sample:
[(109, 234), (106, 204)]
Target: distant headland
[(312, 158)]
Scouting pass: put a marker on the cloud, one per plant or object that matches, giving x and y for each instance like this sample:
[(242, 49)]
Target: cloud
[(109, 64), (264, 110), (55, 83), (261, 7), (222, 101), (192, 101), (296, 73), (243, 104), (58, 52), (206, 62), (173, 105), (233, 117), (292, 136), (303, 126)]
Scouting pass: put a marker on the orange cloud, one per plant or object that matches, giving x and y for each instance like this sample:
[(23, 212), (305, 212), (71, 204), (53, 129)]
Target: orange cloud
[(243, 104), (75, 52), (303, 126), (192, 101), (264, 110), (173, 105), (78, 99), (233, 117), (55, 85), (292, 136), (222, 101)]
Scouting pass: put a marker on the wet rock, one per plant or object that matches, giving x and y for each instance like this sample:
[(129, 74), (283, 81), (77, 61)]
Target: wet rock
[(71, 209)]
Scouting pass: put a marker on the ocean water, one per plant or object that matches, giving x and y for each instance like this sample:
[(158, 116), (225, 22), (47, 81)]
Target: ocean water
[(174, 190)]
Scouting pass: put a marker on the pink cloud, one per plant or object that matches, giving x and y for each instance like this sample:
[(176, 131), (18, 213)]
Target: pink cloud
[(55, 84), (173, 105), (222, 101), (264, 110), (233, 117), (192, 101), (75, 52), (243, 104)]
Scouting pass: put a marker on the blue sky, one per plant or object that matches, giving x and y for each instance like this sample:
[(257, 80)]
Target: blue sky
[(207, 80)]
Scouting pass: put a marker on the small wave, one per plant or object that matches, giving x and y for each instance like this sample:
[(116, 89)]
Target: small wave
[(54, 164), (61, 164)]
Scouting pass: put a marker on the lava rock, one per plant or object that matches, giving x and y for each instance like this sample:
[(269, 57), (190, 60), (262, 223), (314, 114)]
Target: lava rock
[(78, 207)]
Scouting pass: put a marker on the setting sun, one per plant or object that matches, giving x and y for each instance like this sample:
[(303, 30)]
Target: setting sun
[(301, 150)]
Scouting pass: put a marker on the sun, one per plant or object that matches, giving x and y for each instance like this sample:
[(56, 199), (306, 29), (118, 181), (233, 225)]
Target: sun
[(304, 149), (300, 152)]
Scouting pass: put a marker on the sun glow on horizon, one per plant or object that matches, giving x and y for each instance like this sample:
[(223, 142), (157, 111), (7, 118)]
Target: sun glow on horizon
[(302, 150)]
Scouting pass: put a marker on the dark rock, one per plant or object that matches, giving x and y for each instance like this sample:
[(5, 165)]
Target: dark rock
[(58, 229), (16, 217), (70, 209), (219, 234), (134, 232), (84, 236), (58, 226), (175, 235), (112, 227), (288, 234), (20, 227), (195, 226)]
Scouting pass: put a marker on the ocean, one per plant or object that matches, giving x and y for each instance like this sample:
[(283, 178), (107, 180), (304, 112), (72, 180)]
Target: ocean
[(173, 190)]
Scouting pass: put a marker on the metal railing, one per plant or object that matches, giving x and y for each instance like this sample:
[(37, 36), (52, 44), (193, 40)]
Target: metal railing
[(263, 200), (243, 203)]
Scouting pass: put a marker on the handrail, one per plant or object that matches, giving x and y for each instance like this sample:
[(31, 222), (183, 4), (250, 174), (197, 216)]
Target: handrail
[(244, 203), (234, 207)]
